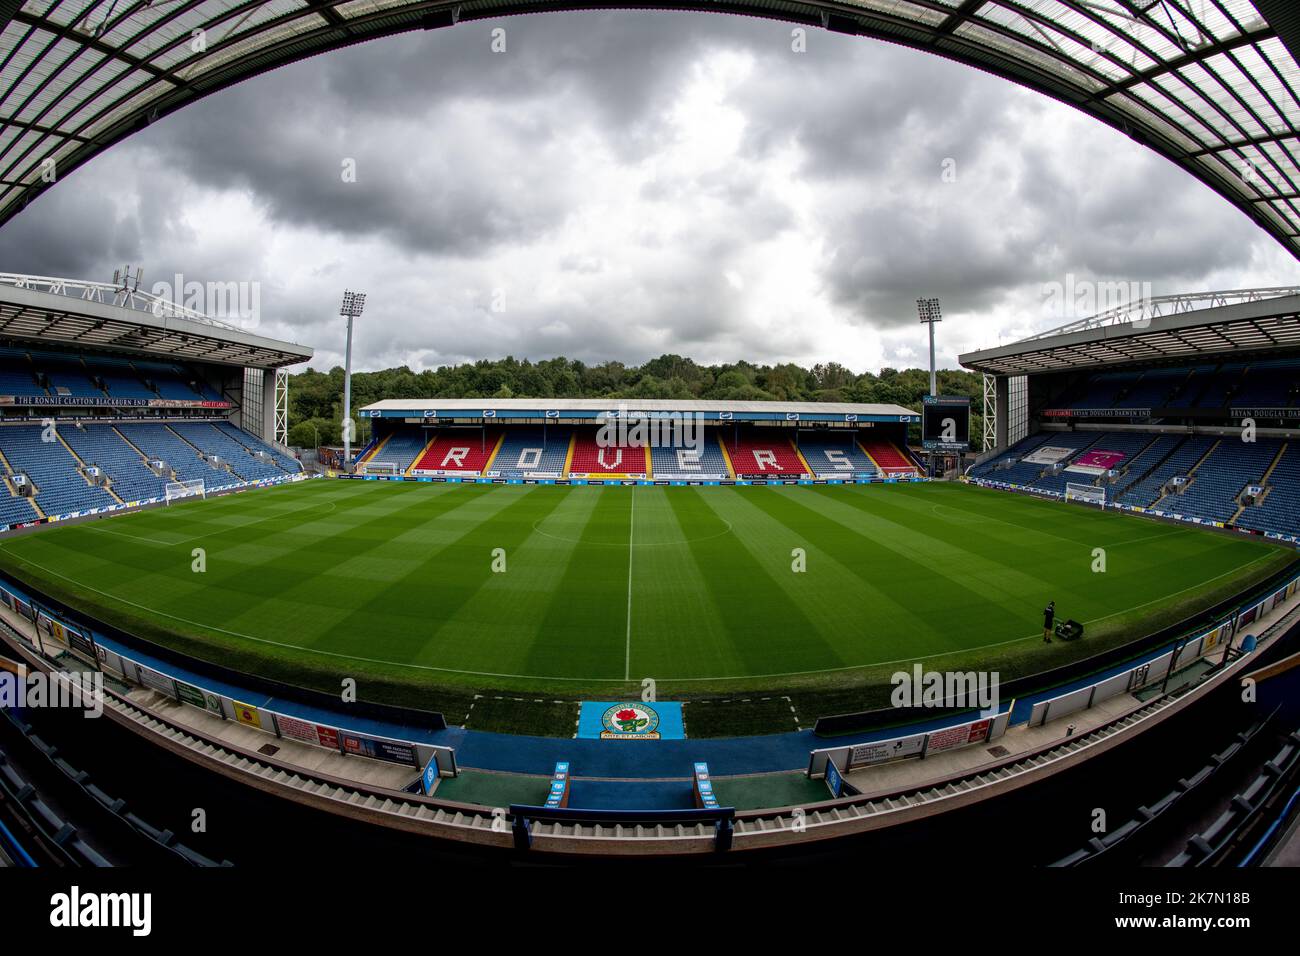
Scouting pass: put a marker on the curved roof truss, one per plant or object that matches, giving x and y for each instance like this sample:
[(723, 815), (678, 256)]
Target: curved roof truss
[(1211, 84)]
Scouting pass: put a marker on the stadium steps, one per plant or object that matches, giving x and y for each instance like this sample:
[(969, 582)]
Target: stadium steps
[(726, 455), (487, 466), (234, 433), (130, 444), (1154, 465), (32, 500), (81, 466), (228, 469), (888, 459), (433, 440), (375, 449), (8, 471), (1277, 459), (568, 456), (1191, 472), (1268, 489), (807, 469)]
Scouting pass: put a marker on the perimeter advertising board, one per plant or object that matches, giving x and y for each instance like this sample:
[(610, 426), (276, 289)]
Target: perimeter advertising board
[(882, 750)]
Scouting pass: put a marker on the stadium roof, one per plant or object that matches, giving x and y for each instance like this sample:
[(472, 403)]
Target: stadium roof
[(570, 408), (1253, 325), (1211, 84), (93, 315)]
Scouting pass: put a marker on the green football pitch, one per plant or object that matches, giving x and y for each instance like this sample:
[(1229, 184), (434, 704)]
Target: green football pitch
[(561, 590)]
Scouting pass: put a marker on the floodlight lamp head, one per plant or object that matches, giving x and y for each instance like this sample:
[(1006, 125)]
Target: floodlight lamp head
[(354, 304), (928, 310)]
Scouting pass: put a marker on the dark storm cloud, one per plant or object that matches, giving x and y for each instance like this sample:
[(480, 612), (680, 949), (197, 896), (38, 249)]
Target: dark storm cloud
[(456, 148), (70, 232)]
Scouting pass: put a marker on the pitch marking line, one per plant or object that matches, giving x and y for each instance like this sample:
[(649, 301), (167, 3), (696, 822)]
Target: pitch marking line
[(631, 528), (676, 680), (200, 537)]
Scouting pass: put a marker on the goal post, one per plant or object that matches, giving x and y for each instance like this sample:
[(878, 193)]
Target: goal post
[(1089, 493), (184, 489)]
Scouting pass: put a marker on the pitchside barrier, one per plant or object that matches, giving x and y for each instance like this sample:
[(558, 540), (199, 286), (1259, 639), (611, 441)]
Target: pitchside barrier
[(629, 483), (329, 736), (1158, 668), (856, 756), (54, 634)]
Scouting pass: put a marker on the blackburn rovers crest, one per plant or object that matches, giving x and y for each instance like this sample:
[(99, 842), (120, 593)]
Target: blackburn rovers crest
[(627, 721)]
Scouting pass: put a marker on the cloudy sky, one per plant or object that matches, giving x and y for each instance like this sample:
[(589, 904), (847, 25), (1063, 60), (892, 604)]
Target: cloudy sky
[(616, 186)]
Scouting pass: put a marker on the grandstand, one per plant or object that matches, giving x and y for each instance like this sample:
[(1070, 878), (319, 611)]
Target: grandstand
[(565, 440), (1194, 415), (164, 395)]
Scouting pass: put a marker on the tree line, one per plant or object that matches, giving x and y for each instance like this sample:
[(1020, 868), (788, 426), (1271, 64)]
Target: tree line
[(316, 398)]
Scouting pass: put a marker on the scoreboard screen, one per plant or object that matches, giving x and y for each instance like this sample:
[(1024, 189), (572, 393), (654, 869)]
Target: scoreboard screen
[(945, 423)]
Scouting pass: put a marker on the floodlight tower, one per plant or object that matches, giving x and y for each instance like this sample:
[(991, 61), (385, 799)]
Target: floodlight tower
[(928, 310), (353, 305)]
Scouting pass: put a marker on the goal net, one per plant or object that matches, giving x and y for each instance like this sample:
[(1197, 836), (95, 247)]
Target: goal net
[(184, 489), (1091, 493), (382, 468)]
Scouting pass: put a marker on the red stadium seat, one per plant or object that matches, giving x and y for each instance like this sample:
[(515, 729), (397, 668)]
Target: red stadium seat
[(764, 457), (592, 458), (886, 455), (466, 453)]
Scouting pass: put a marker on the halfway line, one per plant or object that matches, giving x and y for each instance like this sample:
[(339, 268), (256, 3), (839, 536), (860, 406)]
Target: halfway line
[(631, 526)]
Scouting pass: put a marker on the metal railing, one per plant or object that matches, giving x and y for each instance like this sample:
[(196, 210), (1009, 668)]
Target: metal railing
[(1146, 309), (107, 293)]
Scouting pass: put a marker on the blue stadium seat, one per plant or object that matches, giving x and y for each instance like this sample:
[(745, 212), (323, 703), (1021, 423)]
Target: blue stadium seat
[(287, 462), (667, 462), (402, 448), (156, 440), (836, 456), (61, 488), (1213, 491), (211, 440), (17, 375), (101, 445), (1180, 461), (530, 451), (1137, 468), (1280, 510)]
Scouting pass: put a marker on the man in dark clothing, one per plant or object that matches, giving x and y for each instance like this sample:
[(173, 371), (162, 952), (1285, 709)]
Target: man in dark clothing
[(1049, 616)]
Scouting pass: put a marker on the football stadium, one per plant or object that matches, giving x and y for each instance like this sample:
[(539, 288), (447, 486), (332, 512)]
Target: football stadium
[(536, 629)]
